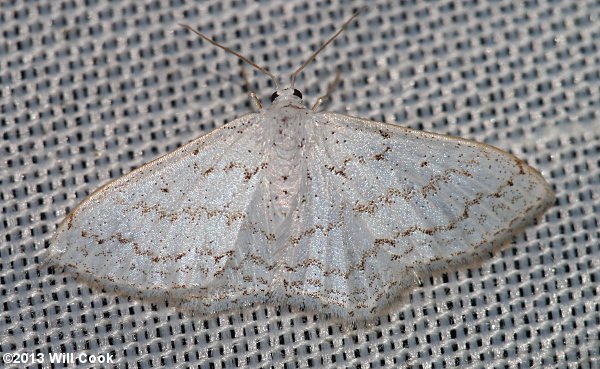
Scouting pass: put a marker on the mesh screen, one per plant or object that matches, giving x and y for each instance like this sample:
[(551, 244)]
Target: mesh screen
[(90, 89)]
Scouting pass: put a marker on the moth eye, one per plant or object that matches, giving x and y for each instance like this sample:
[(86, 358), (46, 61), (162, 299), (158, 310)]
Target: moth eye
[(298, 93), (274, 96)]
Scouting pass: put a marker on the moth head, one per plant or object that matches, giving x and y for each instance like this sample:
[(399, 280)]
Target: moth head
[(288, 96)]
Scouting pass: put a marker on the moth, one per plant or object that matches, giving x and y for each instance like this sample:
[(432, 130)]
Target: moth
[(289, 205)]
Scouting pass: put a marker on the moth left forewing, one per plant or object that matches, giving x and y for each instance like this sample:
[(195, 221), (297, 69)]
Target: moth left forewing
[(401, 203), (170, 227)]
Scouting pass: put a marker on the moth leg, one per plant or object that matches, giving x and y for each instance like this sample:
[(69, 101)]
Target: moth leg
[(252, 94), (330, 89)]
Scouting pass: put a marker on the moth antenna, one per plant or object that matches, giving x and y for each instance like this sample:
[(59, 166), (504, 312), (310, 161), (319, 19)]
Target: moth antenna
[(314, 55), (256, 66)]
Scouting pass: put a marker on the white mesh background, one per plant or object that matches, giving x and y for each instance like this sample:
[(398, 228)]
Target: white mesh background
[(90, 89)]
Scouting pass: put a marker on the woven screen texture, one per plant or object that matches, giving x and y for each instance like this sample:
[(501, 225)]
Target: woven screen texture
[(90, 89)]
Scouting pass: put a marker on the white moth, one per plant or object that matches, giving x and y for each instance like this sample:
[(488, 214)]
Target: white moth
[(323, 211)]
